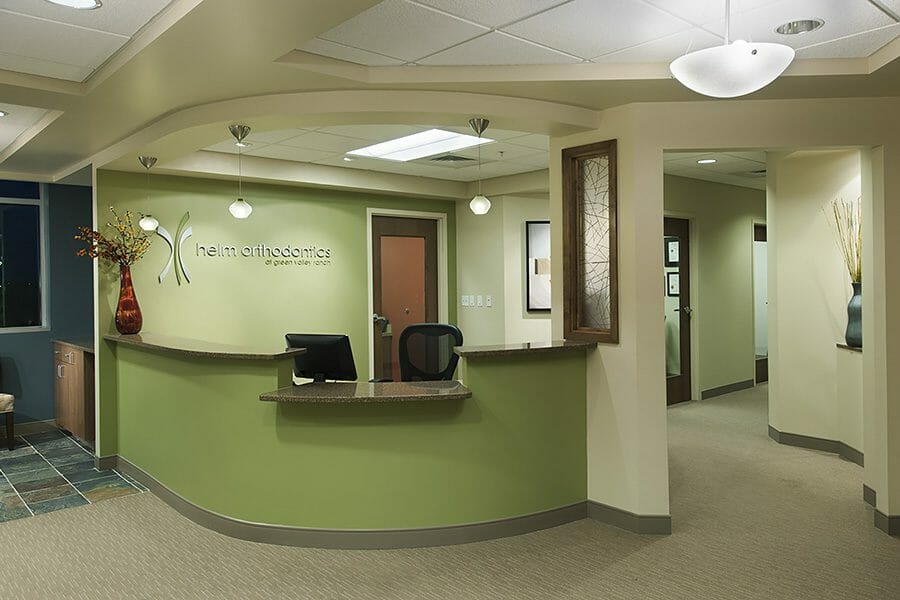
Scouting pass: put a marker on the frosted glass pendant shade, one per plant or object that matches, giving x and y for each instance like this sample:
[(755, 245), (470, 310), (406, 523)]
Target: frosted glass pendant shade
[(240, 209), (480, 205), (148, 223), (732, 70)]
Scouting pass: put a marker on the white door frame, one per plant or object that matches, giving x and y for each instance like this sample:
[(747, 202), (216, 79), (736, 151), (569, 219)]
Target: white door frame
[(442, 258)]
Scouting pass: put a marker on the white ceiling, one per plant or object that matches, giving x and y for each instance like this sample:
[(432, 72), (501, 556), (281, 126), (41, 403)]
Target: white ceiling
[(41, 38), (744, 169), (507, 32), (521, 152), (19, 120)]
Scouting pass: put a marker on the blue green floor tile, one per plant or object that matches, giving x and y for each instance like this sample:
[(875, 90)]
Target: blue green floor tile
[(57, 504), (75, 467), (44, 436), (47, 493), (37, 484), (13, 514), (85, 475), (20, 464), (25, 476)]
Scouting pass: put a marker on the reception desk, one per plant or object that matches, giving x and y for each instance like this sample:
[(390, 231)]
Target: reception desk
[(221, 434)]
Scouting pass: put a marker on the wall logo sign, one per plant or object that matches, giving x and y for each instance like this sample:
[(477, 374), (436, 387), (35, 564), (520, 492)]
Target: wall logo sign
[(277, 255), (176, 256)]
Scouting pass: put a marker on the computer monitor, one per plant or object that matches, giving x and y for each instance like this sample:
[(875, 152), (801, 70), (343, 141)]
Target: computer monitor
[(327, 356)]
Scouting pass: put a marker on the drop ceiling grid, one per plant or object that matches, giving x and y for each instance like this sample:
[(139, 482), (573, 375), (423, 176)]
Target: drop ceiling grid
[(53, 41), (504, 33), (19, 120)]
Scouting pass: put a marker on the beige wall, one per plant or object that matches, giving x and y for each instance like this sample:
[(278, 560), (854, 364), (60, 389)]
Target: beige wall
[(627, 451), (521, 326), (722, 218), (808, 293), (491, 249)]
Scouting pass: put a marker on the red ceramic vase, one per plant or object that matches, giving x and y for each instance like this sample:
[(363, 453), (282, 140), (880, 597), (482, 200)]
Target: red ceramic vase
[(128, 313)]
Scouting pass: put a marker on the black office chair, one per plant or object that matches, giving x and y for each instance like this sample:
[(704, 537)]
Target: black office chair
[(426, 351)]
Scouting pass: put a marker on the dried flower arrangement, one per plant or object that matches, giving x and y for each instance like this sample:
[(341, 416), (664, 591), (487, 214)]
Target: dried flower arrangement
[(124, 246), (845, 219)]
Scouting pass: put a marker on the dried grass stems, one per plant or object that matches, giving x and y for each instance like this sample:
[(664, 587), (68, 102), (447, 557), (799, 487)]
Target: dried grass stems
[(845, 220), (124, 245)]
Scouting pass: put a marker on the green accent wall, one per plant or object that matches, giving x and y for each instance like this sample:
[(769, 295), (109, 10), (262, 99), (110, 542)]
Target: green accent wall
[(518, 446), (243, 300)]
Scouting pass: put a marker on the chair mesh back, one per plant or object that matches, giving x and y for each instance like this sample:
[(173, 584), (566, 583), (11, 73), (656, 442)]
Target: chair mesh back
[(426, 351)]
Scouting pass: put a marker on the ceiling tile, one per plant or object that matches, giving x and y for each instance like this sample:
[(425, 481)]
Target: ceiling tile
[(326, 142), (46, 68), (44, 40), (491, 133), (532, 140), (373, 133), (491, 151), (274, 136), (698, 12), (124, 17), (588, 28), (229, 147), (403, 30), (757, 155), (893, 5), (492, 13), (856, 46), (18, 120), (841, 18), (288, 153), (498, 49), (664, 49), (354, 55)]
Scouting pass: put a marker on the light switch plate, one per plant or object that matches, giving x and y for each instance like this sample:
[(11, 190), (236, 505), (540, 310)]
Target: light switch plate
[(479, 300), (465, 300), (489, 301)]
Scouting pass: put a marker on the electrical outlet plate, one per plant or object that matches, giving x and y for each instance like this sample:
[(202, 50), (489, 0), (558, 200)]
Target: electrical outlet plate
[(465, 300), (489, 301), (479, 300)]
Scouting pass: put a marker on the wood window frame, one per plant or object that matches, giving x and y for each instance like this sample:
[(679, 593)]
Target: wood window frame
[(573, 243)]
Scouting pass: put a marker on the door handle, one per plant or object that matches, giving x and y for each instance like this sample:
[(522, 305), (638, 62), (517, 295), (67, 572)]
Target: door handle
[(59, 369), (687, 310)]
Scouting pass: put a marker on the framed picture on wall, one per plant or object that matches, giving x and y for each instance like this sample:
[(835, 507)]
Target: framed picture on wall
[(537, 266), (673, 284), (671, 251)]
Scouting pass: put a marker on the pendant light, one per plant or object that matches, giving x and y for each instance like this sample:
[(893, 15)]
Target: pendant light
[(240, 209), (147, 222), (733, 69), (479, 205)]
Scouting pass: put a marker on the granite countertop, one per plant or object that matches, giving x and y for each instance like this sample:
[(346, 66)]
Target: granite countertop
[(85, 344), (198, 348), (363, 392), (526, 348)]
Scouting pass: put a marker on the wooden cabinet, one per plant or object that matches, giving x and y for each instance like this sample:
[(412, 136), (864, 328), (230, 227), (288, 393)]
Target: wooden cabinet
[(74, 389)]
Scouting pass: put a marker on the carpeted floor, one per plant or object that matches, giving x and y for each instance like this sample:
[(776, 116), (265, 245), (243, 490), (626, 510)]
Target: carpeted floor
[(752, 520)]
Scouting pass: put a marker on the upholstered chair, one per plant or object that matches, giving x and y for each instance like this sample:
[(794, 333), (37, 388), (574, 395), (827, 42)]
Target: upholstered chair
[(7, 402)]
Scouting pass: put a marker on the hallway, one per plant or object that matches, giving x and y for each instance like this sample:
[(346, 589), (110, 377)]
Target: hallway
[(752, 520)]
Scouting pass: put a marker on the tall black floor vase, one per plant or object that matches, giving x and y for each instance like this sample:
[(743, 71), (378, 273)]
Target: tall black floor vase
[(854, 317)]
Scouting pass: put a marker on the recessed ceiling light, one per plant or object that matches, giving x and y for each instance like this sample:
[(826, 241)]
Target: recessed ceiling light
[(3, 113), (798, 27), (79, 4), (243, 144), (349, 159), (706, 161), (420, 145)]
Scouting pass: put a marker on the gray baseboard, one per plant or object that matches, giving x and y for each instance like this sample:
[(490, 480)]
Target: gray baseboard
[(33, 427), (890, 524), (105, 463), (390, 538), (869, 495), (821, 444), (355, 538), (646, 524), (726, 389)]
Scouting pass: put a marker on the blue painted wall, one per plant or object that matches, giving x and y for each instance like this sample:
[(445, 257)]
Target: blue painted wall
[(27, 358)]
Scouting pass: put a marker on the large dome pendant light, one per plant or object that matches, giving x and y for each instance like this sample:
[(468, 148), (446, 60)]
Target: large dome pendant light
[(240, 209), (148, 222), (733, 69), (479, 205)]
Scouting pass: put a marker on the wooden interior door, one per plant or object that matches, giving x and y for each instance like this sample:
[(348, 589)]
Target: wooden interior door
[(405, 261), (676, 261)]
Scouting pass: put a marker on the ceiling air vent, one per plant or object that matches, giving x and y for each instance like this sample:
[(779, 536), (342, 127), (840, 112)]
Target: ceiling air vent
[(451, 158)]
